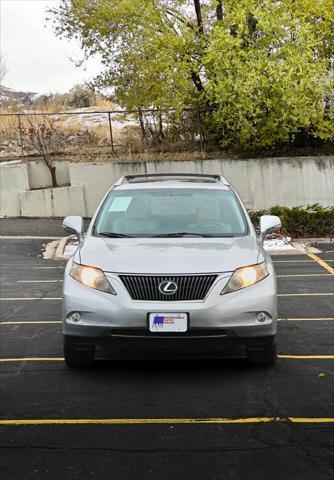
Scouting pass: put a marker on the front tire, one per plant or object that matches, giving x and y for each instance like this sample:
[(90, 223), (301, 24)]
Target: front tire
[(264, 355), (79, 356)]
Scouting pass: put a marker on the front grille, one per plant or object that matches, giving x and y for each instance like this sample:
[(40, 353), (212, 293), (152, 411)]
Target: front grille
[(190, 287)]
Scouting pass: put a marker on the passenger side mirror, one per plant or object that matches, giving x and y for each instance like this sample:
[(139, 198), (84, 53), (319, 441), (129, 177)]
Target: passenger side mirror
[(269, 223), (74, 224)]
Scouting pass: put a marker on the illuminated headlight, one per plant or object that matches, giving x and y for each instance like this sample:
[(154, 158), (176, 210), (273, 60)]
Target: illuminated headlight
[(245, 276), (92, 277)]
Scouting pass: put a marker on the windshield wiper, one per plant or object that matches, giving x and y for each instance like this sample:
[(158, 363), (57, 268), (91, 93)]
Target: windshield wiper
[(114, 235), (181, 234)]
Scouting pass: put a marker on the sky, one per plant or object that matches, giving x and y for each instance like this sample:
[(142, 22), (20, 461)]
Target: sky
[(37, 60)]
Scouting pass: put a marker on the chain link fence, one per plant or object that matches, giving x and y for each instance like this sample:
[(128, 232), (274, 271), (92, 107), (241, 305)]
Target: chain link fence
[(89, 132)]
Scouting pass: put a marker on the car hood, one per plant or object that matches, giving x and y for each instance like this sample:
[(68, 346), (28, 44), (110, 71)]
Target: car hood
[(168, 255)]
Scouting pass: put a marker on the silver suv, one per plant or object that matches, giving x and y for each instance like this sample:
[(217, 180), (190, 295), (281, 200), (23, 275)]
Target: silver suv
[(170, 266)]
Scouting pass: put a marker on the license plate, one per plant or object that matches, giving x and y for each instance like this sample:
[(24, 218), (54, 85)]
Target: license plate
[(168, 322)]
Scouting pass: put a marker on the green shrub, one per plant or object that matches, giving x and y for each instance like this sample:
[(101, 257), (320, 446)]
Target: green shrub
[(312, 221)]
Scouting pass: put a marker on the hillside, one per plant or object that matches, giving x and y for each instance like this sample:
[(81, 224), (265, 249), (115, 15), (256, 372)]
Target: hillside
[(10, 95)]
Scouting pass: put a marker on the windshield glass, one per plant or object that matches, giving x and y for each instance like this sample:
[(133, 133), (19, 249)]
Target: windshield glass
[(171, 212)]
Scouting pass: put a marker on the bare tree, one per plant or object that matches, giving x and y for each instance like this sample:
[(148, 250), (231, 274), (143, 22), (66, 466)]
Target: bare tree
[(42, 135)]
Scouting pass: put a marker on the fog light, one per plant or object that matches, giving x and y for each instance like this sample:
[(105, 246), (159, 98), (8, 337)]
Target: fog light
[(75, 317), (262, 317)]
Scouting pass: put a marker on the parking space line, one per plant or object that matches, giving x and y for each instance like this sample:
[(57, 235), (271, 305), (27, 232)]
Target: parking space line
[(322, 262), (163, 421), (28, 322), (28, 237), (32, 359), (320, 294), (292, 261), (61, 359), (20, 299), (38, 281), (309, 319), (307, 357), (49, 268), (298, 261), (305, 275)]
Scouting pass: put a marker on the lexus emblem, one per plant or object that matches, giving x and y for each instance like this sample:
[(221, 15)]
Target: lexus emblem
[(167, 287)]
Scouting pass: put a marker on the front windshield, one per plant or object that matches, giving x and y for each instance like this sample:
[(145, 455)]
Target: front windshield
[(172, 211)]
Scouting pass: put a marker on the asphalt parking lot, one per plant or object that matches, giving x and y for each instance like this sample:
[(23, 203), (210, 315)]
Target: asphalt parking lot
[(167, 419)]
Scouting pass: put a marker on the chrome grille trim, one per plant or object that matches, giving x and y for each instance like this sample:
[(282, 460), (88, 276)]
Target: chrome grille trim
[(146, 287)]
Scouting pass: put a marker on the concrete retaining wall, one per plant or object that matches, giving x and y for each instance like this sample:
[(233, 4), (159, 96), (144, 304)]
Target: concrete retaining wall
[(13, 181), (98, 178), (53, 202), (40, 177), (261, 183)]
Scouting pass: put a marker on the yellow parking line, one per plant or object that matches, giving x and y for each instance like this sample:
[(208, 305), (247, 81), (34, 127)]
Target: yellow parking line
[(163, 421), (311, 420), (306, 294), (28, 322), (307, 357), (60, 359), (32, 359), (322, 262), (134, 421), (20, 299)]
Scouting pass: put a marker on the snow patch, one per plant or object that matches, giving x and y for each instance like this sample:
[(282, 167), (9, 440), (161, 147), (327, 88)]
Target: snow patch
[(10, 162), (283, 243)]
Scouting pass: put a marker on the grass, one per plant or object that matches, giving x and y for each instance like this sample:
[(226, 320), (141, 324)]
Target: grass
[(105, 155), (8, 129)]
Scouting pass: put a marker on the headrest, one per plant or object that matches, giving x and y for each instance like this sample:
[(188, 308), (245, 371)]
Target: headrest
[(138, 210), (209, 211)]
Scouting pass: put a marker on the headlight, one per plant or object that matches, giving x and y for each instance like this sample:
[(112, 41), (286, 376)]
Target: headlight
[(92, 277), (245, 276)]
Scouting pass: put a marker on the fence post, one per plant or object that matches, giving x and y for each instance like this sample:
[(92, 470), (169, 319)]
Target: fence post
[(111, 135), (20, 134)]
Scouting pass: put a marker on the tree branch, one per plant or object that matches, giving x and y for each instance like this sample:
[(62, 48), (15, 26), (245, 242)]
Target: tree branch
[(219, 10), (197, 81), (198, 11), (179, 18)]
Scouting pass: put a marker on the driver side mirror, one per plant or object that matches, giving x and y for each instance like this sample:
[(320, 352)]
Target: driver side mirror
[(269, 223), (74, 224)]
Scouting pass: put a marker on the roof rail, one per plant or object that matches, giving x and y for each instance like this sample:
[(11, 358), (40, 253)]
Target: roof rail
[(129, 178)]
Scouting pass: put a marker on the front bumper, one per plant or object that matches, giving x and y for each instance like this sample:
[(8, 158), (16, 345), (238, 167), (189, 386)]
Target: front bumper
[(219, 317)]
